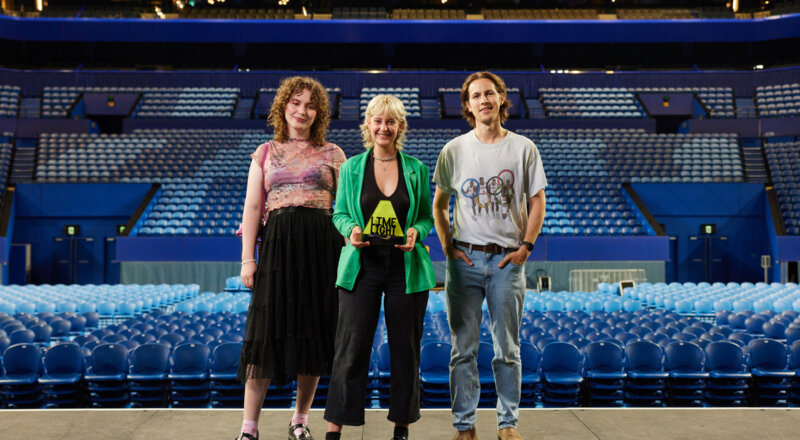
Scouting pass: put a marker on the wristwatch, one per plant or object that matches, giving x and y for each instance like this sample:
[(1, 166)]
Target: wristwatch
[(528, 245)]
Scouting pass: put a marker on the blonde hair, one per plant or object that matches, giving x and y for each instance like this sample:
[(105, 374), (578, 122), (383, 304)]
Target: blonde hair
[(319, 97), (390, 106), (499, 84)]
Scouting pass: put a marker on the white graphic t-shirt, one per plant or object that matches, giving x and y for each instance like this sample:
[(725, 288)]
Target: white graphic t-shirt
[(492, 184)]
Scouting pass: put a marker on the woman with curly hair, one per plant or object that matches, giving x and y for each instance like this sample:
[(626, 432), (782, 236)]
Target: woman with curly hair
[(291, 321)]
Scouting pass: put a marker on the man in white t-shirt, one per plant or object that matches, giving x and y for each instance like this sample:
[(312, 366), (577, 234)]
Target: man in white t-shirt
[(498, 181)]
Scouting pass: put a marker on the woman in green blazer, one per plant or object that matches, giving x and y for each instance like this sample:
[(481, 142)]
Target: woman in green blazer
[(383, 206)]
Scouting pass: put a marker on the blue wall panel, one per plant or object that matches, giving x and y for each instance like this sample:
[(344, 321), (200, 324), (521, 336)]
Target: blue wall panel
[(645, 248), (772, 234), (788, 248), (179, 249), (737, 210), (400, 31), (42, 210)]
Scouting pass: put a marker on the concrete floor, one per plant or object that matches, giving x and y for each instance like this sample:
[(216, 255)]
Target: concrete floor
[(566, 424)]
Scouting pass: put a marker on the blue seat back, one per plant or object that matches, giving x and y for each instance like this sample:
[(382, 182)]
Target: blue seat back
[(435, 356), (561, 356), (190, 358), (150, 358), (225, 357), (109, 359), (643, 355), (63, 358), (603, 355), (768, 354), (384, 358), (724, 356), (25, 358), (530, 357), (684, 355)]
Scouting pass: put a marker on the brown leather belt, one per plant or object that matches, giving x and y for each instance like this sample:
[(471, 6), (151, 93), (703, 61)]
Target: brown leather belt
[(488, 248)]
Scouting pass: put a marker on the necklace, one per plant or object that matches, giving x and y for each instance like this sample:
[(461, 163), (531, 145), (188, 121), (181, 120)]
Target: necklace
[(298, 140), (385, 160)]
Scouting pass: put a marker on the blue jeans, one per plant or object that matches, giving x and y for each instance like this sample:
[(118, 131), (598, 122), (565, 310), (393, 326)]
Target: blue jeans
[(504, 291)]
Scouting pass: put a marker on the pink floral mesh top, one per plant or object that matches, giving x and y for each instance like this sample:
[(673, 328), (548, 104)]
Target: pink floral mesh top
[(299, 174)]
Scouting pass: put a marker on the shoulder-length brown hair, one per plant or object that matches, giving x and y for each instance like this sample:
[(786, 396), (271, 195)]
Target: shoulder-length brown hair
[(499, 84), (319, 97)]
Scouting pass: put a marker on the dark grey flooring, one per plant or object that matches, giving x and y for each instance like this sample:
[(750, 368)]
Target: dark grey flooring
[(568, 424)]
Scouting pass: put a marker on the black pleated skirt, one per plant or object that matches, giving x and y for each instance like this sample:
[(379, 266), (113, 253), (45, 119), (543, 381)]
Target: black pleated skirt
[(291, 322)]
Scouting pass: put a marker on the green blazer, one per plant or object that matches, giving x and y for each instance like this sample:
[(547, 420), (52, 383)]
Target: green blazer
[(347, 214)]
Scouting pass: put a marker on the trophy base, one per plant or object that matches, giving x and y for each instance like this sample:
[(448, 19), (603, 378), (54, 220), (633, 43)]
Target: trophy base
[(383, 240)]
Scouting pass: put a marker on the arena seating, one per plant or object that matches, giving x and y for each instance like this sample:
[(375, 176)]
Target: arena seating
[(183, 102), (235, 12), (109, 301), (188, 102), (705, 298), (718, 100), (5, 161), (590, 103), (619, 155), (208, 169), (408, 95), (621, 102), (778, 100), (594, 324), (653, 14), (355, 13), (9, 101), (428, 14), (783, 158), (240, 14), (540, 14)]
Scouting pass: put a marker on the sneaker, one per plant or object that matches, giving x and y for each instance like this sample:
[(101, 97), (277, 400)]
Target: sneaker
[(400, 437), (246, 436), (305, 435)]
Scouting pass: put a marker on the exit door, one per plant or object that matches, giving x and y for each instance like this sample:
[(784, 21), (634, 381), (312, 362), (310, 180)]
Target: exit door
[(75, 260), (708, 259)]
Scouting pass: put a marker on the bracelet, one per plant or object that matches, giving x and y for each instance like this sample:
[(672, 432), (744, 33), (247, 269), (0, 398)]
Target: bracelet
[(248, 261)]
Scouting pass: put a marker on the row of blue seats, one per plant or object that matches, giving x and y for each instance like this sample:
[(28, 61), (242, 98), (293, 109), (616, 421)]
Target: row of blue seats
[(152, 374), (638, 374)]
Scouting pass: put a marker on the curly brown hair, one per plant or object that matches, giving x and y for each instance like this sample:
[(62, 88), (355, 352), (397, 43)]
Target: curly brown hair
[(319, 97), (499, 84)]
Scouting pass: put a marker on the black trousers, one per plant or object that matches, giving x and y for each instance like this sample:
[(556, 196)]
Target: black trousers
[(382, 271)]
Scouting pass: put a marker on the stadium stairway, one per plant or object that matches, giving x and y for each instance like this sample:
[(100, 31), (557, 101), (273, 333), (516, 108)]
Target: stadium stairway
[(745, 108), (23, 163), (430, 108), (243, 107), (30, 108), (348, 109), (536, 108), (755, 164)]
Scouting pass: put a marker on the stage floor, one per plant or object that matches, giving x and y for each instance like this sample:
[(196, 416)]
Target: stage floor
[(566, 424)]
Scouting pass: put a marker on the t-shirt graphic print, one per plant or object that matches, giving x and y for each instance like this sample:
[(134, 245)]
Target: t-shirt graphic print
[(490, 197)]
